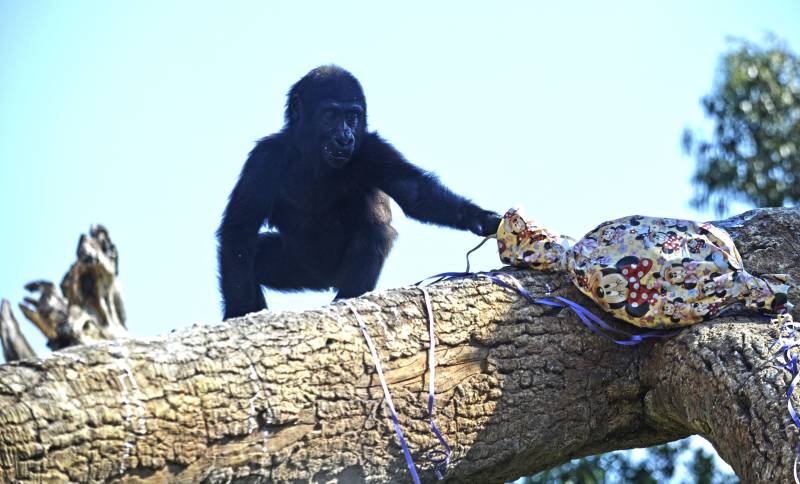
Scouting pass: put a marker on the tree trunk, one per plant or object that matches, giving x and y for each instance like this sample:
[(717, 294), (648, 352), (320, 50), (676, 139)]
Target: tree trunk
[(294, 396)]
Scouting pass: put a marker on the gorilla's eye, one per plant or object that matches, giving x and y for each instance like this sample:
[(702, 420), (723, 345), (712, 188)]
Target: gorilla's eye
[(328, 115), (352, 118)]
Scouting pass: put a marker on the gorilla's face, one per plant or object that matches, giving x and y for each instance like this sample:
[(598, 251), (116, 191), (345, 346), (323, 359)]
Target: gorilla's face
[(339, 127)]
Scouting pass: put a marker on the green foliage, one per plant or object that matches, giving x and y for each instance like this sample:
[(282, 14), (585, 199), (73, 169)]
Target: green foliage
[(754, 153), (659, 465)]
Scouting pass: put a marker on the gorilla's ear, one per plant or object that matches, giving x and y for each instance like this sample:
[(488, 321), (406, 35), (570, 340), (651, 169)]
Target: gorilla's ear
[(295, 108)]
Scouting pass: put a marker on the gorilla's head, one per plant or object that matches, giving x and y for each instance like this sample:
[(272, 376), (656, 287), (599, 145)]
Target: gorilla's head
[(326, 115)]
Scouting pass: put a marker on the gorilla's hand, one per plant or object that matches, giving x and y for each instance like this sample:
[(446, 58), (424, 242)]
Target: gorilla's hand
[(484, 223)]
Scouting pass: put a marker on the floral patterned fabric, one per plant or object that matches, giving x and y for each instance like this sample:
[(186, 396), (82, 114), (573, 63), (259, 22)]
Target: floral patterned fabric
[(651, 272)]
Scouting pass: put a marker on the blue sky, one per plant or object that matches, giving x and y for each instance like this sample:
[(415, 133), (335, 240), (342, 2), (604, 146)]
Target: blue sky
[(139, 115)]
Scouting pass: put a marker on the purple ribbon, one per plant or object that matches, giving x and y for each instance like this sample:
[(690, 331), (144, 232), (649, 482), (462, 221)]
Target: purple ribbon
[(395, 421), (439, 458), (589, 319), (788, 361)]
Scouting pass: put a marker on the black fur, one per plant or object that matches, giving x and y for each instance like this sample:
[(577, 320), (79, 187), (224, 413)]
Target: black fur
[(321, 184)]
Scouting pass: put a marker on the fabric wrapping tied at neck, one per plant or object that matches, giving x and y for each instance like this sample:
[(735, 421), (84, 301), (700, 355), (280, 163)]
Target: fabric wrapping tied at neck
[(648, 271)]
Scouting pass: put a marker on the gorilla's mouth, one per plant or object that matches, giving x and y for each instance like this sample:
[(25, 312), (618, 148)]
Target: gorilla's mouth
[(337, 158)]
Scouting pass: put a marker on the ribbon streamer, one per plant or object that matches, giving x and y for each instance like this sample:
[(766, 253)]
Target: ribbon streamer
[(388, 396), (440, 459), (786, 357), (589, 319)]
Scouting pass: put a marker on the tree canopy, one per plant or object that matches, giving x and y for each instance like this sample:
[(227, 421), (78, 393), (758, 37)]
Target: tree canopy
[(659, 464), (752, 154)]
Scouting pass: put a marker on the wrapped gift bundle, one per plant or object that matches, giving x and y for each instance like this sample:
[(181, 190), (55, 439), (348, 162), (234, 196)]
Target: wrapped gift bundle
[(651, 272)]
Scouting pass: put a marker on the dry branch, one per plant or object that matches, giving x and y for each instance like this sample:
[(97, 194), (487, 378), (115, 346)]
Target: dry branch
[(87, 308), (15, 346)]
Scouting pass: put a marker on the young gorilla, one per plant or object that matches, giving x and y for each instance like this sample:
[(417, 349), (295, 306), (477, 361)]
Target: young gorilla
[(322, 182)]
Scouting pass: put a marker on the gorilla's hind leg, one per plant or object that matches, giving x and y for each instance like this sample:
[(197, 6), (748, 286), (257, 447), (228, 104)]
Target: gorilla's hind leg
[(278, 267), (363, 260)]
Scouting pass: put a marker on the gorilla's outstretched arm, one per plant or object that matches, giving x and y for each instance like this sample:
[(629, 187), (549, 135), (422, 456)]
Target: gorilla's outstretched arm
[(419, 193)]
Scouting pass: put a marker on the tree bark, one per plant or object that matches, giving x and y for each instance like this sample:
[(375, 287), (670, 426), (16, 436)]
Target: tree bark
[(294, 396), (15, 345), (87, 307)]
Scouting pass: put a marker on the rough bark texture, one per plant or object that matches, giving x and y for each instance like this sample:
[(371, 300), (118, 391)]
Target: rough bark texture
[(294, 397), (88, 307)]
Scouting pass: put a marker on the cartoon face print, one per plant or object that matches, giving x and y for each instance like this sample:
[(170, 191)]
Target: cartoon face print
[(620, 286), (713, 285), (692, 312), (701, 310), (680, 311), (516, 223), (520, 229), (682, 274), (707, 287), (612, 235), (658, 238), (668, 241), (675, 274), (695, 246), (611, 288), (671, 308), (671, 244)]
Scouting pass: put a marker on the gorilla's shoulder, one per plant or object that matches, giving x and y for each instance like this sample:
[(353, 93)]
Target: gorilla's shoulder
[(274, 144), (269, 152)]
